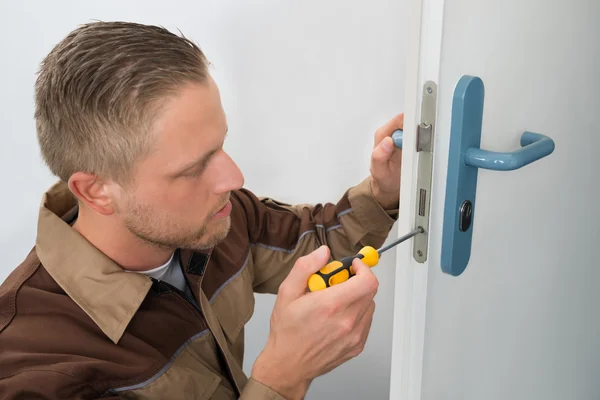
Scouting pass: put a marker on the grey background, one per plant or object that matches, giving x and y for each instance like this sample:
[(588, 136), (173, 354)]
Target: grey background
[(304, 84)]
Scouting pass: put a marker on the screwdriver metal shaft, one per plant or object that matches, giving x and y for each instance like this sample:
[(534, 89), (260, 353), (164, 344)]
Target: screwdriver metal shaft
[(402, 239), (340, 271)]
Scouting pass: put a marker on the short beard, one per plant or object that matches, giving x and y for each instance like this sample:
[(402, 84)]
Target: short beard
[(159, 233)]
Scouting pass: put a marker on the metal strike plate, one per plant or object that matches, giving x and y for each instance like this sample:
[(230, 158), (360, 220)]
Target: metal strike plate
[(425, 137)]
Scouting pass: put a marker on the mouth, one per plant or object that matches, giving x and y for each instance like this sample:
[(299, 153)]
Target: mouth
[(223, 211)]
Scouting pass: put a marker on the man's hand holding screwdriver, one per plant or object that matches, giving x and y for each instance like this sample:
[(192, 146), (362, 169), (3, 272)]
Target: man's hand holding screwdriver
[(315, 332)]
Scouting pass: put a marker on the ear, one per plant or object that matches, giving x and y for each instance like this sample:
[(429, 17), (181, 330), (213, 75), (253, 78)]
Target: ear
[(92, 190)]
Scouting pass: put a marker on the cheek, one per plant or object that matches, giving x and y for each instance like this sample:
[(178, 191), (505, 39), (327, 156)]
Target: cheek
[(189, 199), (158, 200), (186, 199)]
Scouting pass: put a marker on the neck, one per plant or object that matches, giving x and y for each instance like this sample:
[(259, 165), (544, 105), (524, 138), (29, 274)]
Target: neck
[(118, 243)]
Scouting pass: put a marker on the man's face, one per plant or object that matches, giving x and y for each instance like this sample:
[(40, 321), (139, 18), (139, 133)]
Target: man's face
[(180, 195)]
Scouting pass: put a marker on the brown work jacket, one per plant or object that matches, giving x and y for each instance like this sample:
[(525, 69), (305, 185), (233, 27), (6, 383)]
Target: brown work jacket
[(75, 325)]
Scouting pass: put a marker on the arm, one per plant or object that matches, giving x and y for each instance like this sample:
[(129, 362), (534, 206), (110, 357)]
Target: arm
[(254, 390), (281, 233), (313, 333)]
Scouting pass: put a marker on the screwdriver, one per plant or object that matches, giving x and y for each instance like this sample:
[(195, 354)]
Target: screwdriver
[(340, 271)]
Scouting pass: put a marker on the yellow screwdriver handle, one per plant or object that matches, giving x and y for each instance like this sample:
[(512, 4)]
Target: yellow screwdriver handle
[(340, 271)]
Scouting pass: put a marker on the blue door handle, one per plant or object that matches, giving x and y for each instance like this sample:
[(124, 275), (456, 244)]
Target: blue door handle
[(397, 137), (465, 157), (533, 147)]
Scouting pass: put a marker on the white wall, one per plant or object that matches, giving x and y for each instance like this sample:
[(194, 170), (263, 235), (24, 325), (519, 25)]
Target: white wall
[(319, 75)]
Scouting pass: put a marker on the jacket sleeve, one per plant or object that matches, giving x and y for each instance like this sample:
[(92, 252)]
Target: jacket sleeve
[(255, 390), (281, 233)]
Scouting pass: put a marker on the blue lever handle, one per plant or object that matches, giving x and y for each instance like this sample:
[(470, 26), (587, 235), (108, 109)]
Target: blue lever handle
[(397, 136), (534, 147), (465, 157)]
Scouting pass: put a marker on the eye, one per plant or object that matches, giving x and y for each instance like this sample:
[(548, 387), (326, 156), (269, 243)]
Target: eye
[(196, 172), (200, 168)]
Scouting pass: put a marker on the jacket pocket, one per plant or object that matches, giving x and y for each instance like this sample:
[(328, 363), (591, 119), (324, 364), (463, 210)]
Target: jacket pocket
[(184, 378)]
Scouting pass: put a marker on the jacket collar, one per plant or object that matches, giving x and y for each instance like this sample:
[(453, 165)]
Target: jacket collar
[(108, 295)]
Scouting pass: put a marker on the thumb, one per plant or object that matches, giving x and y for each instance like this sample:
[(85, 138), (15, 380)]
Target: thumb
[(380, 157), (294, 286)]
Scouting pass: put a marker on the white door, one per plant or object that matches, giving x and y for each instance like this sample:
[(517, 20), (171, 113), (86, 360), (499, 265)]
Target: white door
[(522, 321)]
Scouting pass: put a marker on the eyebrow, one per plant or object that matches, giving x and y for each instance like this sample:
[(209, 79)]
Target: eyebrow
[(201, 161)]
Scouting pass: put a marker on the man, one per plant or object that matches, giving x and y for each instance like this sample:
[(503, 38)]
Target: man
[(149, 250)]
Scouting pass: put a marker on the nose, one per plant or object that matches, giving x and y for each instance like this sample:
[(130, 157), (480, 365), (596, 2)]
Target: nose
[(228, 176)]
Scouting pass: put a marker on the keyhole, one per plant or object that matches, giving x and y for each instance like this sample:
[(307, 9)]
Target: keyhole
[(466, 216)]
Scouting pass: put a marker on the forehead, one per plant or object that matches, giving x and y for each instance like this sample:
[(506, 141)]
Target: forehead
[(191, 122)]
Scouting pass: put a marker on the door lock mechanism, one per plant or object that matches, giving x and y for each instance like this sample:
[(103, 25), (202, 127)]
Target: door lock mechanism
[(425, 135)]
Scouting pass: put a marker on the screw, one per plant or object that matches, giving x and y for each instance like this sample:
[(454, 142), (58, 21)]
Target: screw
[(419, 253), (429, 90)]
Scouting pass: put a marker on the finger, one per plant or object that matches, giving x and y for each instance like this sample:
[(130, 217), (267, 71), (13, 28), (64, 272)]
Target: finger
[(358, 338), (366, 315), (353, 344), (294, 285), (364, 311), (362, 270), (380, 158), (389, 127), (366, 321)]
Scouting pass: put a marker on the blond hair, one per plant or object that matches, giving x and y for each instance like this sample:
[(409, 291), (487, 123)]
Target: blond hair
[(99, 90)]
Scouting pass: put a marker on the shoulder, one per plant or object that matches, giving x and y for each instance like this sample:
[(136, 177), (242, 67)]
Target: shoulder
[(48, 339), (38, 319), (13, 284)]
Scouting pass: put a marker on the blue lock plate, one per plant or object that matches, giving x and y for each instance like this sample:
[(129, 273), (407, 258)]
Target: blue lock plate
[(464, 159), (461, 181)]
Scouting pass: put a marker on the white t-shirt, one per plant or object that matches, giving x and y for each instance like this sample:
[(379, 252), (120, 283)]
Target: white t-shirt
[(171, 273)]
